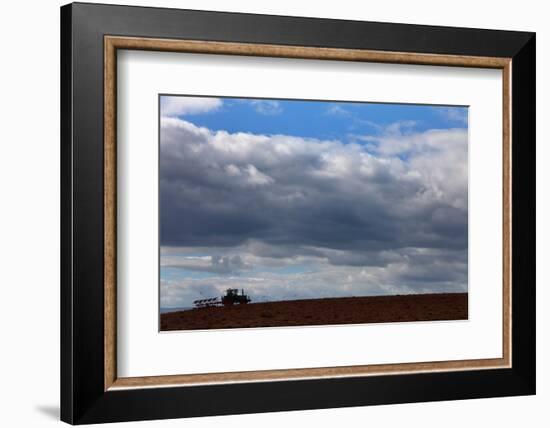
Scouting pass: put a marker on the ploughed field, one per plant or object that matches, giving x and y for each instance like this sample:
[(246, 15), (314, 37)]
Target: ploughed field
[(341, 310)]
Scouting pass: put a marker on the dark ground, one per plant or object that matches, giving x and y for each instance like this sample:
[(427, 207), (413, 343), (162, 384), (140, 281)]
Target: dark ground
[(347, 310)]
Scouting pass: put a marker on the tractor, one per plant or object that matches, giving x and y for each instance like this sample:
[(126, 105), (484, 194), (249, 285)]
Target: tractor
[(232, 297)]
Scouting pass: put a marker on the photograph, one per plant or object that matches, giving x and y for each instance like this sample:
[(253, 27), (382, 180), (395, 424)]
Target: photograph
[(263, 211), (292, 212)]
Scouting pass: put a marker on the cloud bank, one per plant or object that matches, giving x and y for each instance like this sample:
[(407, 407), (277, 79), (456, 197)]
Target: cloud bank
[(291, 217)]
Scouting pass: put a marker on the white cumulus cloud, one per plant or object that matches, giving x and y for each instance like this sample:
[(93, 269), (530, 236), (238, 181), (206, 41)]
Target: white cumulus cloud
[(172, 106)]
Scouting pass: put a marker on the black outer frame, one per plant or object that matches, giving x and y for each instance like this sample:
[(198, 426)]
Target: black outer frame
[(83, 399)]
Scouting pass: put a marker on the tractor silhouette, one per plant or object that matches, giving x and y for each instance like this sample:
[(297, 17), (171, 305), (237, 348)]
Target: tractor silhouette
[(230, 298)]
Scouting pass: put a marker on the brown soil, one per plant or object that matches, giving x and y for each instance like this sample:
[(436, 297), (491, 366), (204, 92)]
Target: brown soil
[(347, 310)]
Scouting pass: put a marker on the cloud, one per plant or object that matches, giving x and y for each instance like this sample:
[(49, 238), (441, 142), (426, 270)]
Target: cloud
[(219, 188), (267, 107), (337, 110), (215, 264), (399, 128), (290, 217), (412, 271), (356, 121), (454, 114), (248, 174), (173, 106)]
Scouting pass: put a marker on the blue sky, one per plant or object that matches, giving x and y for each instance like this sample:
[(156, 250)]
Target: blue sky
[(324, 120), (308, 199)]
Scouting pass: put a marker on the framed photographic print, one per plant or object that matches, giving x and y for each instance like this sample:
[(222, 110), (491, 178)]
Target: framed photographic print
[(265, 213)]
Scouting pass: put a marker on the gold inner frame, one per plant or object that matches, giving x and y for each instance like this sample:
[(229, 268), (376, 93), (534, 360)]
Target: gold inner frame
[(113, 43)]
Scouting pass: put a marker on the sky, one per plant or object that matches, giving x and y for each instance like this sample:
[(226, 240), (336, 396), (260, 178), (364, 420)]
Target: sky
[(294, 199)]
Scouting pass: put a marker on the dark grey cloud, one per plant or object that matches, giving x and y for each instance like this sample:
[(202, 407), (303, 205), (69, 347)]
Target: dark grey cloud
[(220, 189)]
